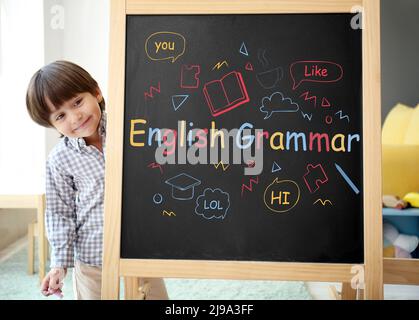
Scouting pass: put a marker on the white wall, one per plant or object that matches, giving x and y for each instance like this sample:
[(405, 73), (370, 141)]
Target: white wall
[(22, 161), (84, 40), (399, 52)]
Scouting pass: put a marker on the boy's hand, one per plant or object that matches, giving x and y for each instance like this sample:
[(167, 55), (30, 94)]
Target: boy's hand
[(53, 282)]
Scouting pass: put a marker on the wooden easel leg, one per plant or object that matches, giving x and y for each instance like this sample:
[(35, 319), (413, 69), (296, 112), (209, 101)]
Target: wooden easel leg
[(131, 285), (42, 241), (136, 288), (347, 292), (143, 289), (31, 248), (373, 220), (334, 294)]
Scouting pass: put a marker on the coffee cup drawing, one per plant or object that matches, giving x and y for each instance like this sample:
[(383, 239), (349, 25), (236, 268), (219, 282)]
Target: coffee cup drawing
[(268, 79)]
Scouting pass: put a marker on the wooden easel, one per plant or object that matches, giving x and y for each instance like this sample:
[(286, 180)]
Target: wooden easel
[(114, 267)]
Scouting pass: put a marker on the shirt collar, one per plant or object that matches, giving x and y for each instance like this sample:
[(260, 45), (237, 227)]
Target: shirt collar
[(79, 143)]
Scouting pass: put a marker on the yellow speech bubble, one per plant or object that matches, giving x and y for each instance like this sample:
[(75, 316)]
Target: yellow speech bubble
[(281, 195), (165, 45)]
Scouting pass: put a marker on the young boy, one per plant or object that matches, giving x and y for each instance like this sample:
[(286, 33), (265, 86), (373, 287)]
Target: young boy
[(64, 96)]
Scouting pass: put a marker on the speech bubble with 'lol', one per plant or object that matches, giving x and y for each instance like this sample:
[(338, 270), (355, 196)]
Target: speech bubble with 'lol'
[(165, 45), (315, 71), (213, 204)]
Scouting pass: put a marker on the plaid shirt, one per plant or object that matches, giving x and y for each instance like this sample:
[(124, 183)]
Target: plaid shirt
[(75, 184)]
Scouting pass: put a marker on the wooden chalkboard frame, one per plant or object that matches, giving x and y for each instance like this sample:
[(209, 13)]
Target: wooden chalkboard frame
[(114, 267)]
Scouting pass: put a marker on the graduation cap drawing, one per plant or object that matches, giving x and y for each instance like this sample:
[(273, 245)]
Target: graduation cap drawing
[(183, 186)]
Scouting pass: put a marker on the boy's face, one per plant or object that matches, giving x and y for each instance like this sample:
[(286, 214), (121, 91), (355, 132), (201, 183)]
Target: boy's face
[(78, 117)]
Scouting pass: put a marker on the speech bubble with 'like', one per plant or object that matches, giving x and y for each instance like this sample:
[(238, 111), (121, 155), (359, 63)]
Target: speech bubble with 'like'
[(165, 45), (315, 71)]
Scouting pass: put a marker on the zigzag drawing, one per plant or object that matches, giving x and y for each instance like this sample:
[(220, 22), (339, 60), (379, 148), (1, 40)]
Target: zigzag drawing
[(250, 186), (307, 116), (169, 213), (220, 64), (308, 98), (340, 112), (225, 167), (323, 202), (150, 93), (155, 165)]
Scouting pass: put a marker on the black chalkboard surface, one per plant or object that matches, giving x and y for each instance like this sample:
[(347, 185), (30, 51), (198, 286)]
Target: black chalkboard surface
[(297, 77)]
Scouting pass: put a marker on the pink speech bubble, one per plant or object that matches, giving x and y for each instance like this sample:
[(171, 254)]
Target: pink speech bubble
[(315, 71)]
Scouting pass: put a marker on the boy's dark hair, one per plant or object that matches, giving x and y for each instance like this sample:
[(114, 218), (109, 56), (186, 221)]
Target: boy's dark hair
[(58, 81)]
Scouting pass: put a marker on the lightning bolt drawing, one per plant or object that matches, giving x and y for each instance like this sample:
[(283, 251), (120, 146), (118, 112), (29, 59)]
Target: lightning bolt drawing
[(308, 98), (168, 213), (323, 202), (307, 116), (250, 186), (155, 165), (150, 94), (340, 112), (220, 64), (225, 167)]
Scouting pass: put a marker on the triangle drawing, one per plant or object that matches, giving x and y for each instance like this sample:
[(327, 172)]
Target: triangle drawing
[(249, 67), (243, 50), (179, 100), (275, 167), (325, 102)]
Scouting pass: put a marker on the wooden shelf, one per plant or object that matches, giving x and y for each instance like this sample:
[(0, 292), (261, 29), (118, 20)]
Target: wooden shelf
[(401, 271)]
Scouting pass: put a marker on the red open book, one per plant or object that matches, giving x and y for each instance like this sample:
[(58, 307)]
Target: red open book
[(226, 94)]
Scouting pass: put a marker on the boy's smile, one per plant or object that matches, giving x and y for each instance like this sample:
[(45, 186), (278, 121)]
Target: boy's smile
[(83, 125), (78, 117)]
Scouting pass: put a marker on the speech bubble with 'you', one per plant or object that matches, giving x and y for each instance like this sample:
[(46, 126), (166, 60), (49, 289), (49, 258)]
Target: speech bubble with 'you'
[(165, 45)]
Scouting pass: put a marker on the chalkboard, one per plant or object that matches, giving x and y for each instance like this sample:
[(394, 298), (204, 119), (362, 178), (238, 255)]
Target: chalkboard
[(297, 77)]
